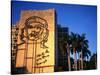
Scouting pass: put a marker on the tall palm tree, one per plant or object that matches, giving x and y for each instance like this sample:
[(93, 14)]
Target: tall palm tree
[(74, 40), (63, 46), (83, 48), (67, 47), (64, 43)]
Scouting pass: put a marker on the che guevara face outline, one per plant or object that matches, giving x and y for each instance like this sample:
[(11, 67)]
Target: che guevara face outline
[(36, 26), (35, 31)]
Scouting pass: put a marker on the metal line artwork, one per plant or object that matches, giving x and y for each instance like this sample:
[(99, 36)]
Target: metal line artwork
[(36, 30), (42, 57), (39, 30)]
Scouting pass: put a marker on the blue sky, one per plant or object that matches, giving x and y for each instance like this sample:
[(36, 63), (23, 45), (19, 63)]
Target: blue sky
[(78, 18)]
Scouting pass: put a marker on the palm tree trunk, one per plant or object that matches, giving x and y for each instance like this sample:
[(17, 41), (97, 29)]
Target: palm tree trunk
[(69, 64), (81, 60), (75, 59)]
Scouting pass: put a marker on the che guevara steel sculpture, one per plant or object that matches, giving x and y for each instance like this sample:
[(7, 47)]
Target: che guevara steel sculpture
[(38, 30)]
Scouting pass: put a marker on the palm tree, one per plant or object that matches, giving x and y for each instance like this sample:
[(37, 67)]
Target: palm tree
[(64, 42), (83, 48), (67, 46), (74, 40)]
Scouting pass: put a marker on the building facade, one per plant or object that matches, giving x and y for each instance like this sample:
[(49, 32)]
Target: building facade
[(35, 40)]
